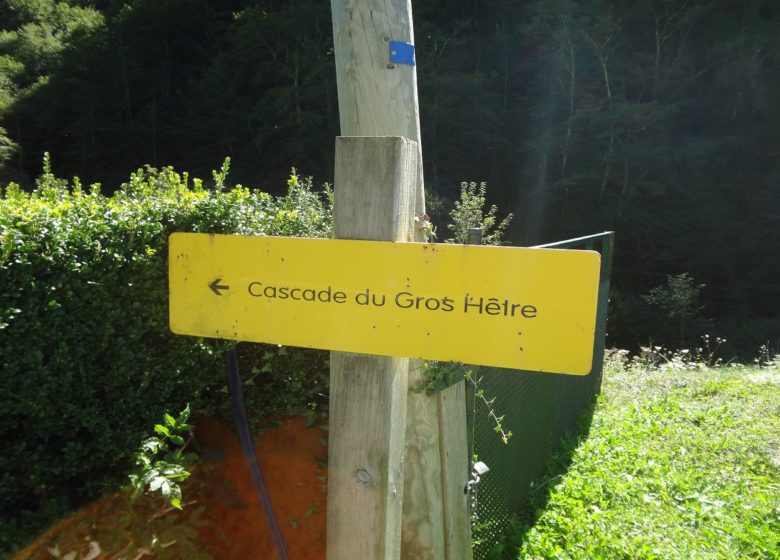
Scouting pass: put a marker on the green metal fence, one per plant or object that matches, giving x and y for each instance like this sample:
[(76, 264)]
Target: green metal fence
[(538, 408)]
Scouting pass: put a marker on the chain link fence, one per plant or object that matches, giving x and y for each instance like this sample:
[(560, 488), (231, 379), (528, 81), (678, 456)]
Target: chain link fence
[(537, 408)]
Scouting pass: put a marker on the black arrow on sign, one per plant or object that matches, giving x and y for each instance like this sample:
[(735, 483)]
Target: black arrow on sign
[(216, 287)]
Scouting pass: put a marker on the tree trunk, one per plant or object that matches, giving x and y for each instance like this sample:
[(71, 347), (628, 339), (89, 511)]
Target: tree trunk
[(570, 123), (611, 148)]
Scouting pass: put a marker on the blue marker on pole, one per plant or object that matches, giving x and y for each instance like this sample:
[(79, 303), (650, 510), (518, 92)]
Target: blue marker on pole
[(401, 53)]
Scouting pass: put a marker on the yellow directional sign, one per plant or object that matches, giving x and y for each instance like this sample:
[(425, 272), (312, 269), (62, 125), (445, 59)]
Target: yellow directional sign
[(532, 309)]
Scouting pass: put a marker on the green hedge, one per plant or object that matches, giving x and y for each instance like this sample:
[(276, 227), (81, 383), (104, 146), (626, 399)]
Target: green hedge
[(88, 362)]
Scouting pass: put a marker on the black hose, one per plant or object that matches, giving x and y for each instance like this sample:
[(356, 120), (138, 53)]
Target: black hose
[(247, 443)]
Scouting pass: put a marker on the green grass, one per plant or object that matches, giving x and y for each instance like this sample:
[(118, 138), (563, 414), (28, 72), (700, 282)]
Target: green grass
[(681, 462)]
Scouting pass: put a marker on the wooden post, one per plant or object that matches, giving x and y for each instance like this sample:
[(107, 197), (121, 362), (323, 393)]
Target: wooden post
[(377, 97), (374, 199)]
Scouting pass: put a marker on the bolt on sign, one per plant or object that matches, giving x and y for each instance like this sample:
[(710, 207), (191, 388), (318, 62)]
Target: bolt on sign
[(520, 308)]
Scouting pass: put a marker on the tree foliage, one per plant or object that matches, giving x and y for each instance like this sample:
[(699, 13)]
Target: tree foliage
[(657, 119), (678, 298)]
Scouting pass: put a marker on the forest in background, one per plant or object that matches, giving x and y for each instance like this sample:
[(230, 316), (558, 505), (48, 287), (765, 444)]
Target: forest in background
[(659, 119)]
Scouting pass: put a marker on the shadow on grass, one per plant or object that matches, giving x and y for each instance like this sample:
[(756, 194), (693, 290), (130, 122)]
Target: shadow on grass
[(534, 503)]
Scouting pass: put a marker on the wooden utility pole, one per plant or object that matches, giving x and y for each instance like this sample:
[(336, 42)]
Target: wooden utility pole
[(374, 199), (378, 97)]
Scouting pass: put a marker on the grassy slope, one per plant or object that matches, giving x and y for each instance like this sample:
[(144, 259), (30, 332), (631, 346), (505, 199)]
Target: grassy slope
[(680, 463)]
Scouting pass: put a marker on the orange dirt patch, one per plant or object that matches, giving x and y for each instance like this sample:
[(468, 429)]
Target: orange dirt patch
[(222, 518)]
